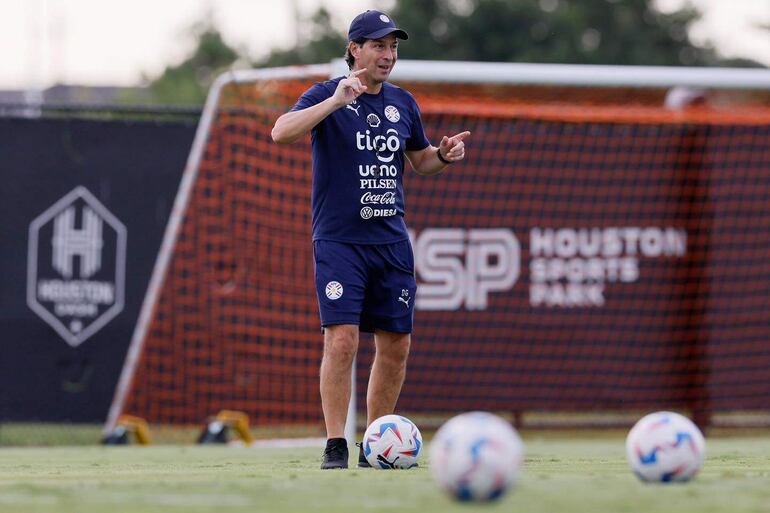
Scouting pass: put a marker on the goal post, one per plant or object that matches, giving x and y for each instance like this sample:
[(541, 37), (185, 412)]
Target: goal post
[(596, 251), (181, 202)]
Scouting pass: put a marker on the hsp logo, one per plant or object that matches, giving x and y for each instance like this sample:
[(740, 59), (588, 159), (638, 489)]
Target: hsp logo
[(76, 266), (459, 268)]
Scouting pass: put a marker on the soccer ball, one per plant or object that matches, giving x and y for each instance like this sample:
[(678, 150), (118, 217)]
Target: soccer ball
[(392, 441), (665, 447), (476, 456)]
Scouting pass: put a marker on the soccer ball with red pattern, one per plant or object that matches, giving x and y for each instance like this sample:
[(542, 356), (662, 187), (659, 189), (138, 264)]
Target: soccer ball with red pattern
[(391, 442), (665, 447)]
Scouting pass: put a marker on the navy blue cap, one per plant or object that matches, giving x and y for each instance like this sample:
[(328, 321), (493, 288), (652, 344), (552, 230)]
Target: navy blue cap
[(374, 25)]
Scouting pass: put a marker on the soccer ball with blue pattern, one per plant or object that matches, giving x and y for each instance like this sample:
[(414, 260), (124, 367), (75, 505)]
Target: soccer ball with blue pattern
[(392, 442), (665, 447), (476, 456)]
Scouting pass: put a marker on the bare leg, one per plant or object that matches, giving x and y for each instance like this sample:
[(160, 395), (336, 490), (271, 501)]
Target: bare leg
[(388, 372), (340, 347)]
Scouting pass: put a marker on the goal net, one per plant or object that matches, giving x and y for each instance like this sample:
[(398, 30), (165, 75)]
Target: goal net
[(605, 246)]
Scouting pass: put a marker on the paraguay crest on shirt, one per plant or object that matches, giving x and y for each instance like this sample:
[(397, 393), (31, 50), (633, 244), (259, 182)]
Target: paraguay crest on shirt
[(392, 114)]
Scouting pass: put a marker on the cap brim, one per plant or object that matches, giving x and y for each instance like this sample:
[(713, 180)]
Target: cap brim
[(400, 34)]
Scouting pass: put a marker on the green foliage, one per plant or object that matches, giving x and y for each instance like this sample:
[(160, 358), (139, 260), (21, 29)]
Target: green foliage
[(188, 82), (630, 32), (556, 31), (324, 44)]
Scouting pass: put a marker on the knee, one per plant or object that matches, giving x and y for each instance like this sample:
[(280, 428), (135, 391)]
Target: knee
[(341, 348), (396, 350)]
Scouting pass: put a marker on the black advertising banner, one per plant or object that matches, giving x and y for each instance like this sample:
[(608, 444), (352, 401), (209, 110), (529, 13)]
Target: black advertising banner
[(84, 205)]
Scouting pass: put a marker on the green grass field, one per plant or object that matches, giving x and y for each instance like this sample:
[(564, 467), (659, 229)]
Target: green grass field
[(561, 475)]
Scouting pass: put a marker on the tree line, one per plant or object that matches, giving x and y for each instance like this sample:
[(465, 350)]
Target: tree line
[(625, 32)]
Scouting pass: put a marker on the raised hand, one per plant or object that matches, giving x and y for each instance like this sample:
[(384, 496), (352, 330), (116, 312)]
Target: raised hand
[(349, 88), (453, 148)]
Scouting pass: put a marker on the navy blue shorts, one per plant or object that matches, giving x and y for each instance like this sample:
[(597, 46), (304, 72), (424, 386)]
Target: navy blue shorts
[(372, 286)]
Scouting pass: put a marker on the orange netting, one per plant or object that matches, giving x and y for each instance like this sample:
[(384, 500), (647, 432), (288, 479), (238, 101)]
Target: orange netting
[(641, 236)]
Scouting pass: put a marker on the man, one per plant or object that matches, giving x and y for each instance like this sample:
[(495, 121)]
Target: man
[(362, 127)]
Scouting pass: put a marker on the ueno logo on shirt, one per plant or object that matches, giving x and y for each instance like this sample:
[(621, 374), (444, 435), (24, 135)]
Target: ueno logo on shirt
[(383, 146)]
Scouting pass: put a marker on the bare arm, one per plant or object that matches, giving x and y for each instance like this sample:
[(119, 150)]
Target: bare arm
[(427, 162), (293, 125)]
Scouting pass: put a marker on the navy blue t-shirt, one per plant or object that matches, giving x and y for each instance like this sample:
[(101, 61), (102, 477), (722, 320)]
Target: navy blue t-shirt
[(358, 164)]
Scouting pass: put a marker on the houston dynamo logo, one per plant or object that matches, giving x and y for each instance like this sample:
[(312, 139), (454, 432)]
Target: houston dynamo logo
[(76, 266)]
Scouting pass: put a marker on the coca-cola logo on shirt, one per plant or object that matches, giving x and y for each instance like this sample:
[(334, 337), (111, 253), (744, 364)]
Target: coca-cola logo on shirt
[(386, 198)]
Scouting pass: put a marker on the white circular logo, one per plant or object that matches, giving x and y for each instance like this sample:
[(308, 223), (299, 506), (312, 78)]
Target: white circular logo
[(384, 18), (392, 114), (334, 290), (366, 213)]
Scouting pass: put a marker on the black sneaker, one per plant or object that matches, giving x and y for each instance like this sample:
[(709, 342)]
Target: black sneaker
[(335, 454), (362, 461)]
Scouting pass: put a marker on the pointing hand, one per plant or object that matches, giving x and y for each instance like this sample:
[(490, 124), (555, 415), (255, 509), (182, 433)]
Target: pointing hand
[(453, 148)]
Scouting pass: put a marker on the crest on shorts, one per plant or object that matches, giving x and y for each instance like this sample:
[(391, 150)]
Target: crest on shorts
[(392, 114), (334, 290)]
